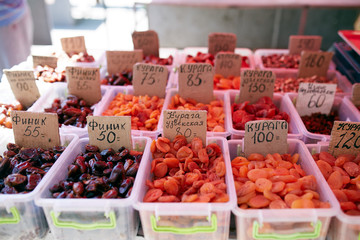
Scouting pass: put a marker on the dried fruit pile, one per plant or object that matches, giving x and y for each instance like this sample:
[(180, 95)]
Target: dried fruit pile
[(119, 79), (49, 74), (343, 176), (5, 110), (215, 111), (320, 123), (274, 181), (222, 83), (95, 174), (281, 61), (209, 58), (82, 57), (186, 172), (21, 169), (144, 110), (158, 61), (263, 109)]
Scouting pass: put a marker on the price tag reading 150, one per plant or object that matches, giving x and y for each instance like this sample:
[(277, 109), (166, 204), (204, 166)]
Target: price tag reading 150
[(345, 138)]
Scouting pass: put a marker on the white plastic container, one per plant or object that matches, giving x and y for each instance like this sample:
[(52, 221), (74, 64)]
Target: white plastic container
[(20, 218), (163, 221), (107, 99), (344, 111), (343, 226), (287, 223), (219, 95), (278, 100), (352, 108), (59, 90), (77, 218)]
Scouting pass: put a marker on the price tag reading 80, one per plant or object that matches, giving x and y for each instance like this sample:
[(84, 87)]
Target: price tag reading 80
[(345, 138)]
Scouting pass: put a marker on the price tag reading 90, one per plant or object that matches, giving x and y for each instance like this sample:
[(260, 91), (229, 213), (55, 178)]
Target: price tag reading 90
[(345, 138)]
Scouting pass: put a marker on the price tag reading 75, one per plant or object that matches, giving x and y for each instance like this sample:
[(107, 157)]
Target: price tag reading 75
[(345, 138)]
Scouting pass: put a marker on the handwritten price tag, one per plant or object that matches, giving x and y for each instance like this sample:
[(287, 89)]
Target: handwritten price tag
[(345, 138), (355, 96), (314, 63), (110, 131), (148, 41), (33, 129), (50, 61), (299, 43), (315, 97), (221, 42), (23, 86), (150, 79), (256, 84), (84, 83), (73, 45), (266, 136), (185, 122), (122, 61), (196, 81), (227, 64)]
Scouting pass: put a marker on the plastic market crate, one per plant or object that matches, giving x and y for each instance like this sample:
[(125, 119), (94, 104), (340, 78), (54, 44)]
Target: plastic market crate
[(279, 101), (79, 218), (163, 221), (352, 107), (287, 223)]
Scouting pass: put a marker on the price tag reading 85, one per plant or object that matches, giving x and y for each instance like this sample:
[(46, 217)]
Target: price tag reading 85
[(315, 97), (345, 138)]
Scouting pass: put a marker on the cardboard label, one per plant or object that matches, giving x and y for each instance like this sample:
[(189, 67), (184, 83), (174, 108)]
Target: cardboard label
[(33, 129), (299, 43), (84, 83), (228, 64), (50, 61), (150, 79), (185, 122), (314, 63), (256, 84), (355, 96), (110, 131), (315, 97), (266, 136), (345, 138), (221, 42), (23, 86), (122, 61), (73, 45), (196, 81), (148, 41)]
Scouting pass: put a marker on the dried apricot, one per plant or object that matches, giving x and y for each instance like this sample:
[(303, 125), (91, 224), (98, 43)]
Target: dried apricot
[(262, 184), (259, 201), (152, 195)]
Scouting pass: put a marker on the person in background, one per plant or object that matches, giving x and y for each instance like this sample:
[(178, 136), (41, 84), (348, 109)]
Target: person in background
[(16, 33)]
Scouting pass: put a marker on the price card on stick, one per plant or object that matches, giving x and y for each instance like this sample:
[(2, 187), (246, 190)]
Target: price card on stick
[(73, 45), (84, 83), (122, 61), (266, 136), (23, 86), (148, 41), (314, 63), (345, 138), (355, 96), (32, 129), (188, 123), (110, 131), (150, 79), (299, 43), (227, 64), (256, 84), (221, 42), (315, 97), (50, 61), (196, 81)]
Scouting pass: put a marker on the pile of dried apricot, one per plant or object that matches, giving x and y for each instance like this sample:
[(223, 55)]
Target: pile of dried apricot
[(186, 172), (224, 83)]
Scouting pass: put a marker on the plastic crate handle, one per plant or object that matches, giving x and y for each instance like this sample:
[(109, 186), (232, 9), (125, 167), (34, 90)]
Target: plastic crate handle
[(81, 226), (190, 230), (304, 235), (14, 220)]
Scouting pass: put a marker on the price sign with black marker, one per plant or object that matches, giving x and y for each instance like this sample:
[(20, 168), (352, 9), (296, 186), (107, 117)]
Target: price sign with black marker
[(196, 81), (221, 42), (73, 45), (266, 136), (314, 63), (227, 64), (32, 129), (110, 131), (299, 43), (345, 138), (185, 122), (355, 95), (84, 83), (315, 97), (122, 61), (23, 86), (150, 79), (148, 41), (50, 61), (256, 84)]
